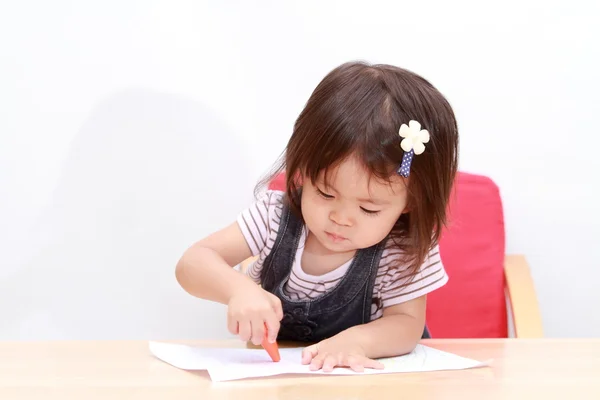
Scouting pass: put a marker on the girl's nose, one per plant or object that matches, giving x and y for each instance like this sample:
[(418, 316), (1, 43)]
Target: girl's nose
[(340, 218)]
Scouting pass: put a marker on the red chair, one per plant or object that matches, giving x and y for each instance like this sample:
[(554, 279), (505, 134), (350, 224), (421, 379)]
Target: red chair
[(472, 247), (473, 303)]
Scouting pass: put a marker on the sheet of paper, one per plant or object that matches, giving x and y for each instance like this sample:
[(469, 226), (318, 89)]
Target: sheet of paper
[(224, 364)]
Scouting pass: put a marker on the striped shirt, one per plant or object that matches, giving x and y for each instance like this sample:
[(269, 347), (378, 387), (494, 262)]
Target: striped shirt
[(260, 223)]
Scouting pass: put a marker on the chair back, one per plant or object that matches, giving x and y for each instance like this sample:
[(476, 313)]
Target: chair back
[(472, 304)]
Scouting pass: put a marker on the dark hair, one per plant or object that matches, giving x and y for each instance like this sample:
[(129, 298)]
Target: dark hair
[(357, 109)]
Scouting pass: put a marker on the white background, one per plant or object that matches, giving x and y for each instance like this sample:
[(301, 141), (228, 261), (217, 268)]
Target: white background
[(131, 129)]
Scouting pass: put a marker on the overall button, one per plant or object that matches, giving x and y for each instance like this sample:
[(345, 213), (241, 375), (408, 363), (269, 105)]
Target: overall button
[(298, 311)]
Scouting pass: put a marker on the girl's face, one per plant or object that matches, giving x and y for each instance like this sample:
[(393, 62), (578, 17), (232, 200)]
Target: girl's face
[(355, 211)]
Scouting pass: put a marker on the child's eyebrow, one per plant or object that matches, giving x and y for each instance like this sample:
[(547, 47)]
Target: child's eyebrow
[(378, 202)]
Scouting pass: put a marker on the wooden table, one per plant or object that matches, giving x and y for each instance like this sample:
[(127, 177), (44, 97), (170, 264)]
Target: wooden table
[(522, 369)]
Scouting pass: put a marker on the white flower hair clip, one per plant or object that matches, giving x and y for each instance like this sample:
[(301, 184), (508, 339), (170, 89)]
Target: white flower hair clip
[(413, 142)]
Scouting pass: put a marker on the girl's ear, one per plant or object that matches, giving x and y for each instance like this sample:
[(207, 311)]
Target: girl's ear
[(407, 208)]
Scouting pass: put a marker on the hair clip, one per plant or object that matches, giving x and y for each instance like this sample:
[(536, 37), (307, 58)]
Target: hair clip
[(413, 143)]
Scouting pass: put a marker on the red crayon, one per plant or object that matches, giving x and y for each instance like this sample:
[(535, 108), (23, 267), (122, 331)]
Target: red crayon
[(271, 348)]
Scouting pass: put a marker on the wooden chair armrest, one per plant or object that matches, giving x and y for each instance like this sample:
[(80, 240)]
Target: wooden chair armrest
[(244, 264), (523, 300)]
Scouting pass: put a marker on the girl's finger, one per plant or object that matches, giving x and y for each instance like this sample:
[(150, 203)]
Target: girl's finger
[(258, 331), (232, 325), (317, 362), (272, 328), (276, 304), (245, 330), (355, 364), (309, 353), (369, 363), (330, 363)]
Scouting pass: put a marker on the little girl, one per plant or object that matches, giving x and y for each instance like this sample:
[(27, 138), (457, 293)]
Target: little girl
[(348, 251)]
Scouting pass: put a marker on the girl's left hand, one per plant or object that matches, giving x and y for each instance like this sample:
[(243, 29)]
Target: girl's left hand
[(337, 351)]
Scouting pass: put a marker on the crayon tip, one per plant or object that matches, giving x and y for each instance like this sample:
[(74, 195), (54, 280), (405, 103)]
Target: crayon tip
[(271, 348)]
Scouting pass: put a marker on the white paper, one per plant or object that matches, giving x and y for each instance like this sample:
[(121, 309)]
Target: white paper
[(224, 364)]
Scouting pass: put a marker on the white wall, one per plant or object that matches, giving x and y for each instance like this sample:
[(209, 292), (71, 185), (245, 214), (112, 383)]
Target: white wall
[(130, 129)]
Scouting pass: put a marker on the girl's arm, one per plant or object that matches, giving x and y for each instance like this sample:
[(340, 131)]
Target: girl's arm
[(397, 332), (205, 269)]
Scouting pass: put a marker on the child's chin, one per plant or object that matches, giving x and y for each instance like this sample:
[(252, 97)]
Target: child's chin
[(339, 247)]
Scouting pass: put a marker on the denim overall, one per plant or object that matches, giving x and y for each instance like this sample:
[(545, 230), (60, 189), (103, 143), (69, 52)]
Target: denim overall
[(346, 305)]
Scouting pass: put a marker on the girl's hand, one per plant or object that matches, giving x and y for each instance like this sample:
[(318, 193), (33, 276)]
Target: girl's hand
[(249, 310), (338, 351)]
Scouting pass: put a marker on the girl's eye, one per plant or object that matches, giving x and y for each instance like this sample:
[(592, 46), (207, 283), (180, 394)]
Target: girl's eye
[(369, 212), (323, 194)]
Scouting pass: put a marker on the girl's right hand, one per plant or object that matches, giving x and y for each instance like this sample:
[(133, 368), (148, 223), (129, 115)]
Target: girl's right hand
[(249, 310)]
